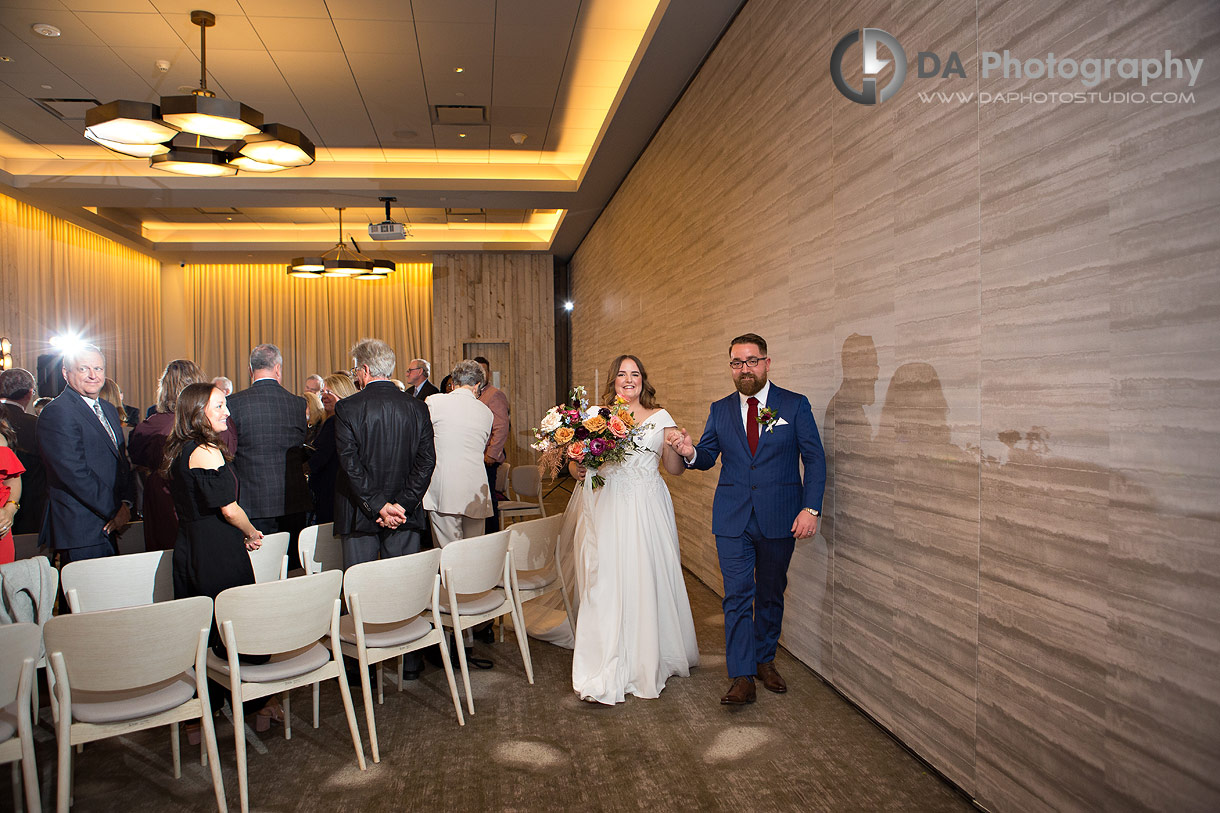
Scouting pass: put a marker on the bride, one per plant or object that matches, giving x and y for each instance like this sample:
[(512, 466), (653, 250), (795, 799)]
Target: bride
[(634, 628)]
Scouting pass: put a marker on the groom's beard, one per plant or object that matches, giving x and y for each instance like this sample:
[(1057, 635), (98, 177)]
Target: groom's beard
[(750, 383)]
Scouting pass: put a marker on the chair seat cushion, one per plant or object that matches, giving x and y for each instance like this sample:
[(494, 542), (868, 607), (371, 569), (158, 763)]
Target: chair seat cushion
[(131, 704), (517, 505), (382, 635), (475, 603), (282, 666), (535, 579), (8, 721)]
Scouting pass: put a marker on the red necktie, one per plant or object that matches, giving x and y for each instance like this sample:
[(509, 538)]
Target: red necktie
[(752, 424)]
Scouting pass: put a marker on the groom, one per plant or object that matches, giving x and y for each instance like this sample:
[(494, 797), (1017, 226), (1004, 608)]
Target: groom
[(760, 509)]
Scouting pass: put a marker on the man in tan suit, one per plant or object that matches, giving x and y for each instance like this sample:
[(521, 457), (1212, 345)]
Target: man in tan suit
[(458, 499)]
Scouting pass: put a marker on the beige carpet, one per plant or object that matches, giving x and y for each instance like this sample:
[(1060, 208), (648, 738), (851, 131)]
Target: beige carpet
[(539, 748)]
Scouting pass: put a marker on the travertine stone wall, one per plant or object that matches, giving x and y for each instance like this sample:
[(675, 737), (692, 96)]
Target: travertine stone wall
[(1006, 317)]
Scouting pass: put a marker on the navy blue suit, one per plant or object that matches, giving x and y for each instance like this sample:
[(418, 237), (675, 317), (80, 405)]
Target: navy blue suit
[(757, 499), (88, 476)]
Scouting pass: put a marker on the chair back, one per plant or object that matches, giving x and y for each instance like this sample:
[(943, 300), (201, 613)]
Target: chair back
[(131, 540), (533, 543), (280, 616), (394, 589), (270, 560), (25, 546), (527, 481), (502, 477), (319, 549), (18, 643), (110, 650), (474, 565), (113, 582)]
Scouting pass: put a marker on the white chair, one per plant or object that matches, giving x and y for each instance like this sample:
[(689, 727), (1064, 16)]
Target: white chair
[(119, 671), (394, 608), (319, 549), (19, 650), (525, 494), (270, 559), (536, 564), (38, 601), (479, 570), (285, 619), (119, 581)]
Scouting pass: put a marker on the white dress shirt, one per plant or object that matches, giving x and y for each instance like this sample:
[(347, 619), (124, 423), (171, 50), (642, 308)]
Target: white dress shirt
[(761, 395)]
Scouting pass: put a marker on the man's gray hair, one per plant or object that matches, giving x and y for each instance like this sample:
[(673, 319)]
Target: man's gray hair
[(223, 383), (427, 366), (265, 357), (76, 354), (468, 372), (15, 383), (376, 354), (315, 377)]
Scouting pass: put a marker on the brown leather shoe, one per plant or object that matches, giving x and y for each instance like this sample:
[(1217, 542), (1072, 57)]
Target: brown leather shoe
[(741, 692), (770, 678)]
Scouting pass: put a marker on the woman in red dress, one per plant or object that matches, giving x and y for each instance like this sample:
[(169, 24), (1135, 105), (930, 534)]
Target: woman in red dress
[(10, 489)]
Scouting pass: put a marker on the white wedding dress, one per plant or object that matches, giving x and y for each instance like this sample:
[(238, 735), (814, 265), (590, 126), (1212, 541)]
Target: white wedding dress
[(634, 628)]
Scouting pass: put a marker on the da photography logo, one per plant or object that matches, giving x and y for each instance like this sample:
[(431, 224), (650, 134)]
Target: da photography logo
[(871, 39)]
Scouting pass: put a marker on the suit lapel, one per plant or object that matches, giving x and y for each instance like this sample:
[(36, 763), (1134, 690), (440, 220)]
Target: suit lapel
[(732, 406), (91, 420)]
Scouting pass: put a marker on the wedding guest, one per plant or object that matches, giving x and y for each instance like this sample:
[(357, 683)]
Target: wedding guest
[(458, 500), (16, 396), (270, 459), (89, 485), (211, 552), (223, 384), (493, 455), (446, 384), (417, 379), (147, 449), (112, 393), (324, 463), (40, 404), (315, 413), (314, 384), (10, 489)]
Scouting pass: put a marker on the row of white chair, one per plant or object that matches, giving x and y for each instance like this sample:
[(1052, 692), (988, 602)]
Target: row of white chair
[(389, 603)]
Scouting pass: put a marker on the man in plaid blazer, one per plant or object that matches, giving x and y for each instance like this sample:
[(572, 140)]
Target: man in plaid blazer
[(270, 459)]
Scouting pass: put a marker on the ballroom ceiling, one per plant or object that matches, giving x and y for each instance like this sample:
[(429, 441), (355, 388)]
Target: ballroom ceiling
[(422, 100)]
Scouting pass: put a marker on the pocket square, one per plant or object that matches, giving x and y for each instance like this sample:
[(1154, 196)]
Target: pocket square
[(781, 422)]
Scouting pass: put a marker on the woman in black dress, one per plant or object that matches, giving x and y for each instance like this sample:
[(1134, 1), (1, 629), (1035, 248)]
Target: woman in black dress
[(324, 462), (214, 533)]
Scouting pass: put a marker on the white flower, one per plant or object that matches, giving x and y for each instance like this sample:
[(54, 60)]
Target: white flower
[(551, 421)]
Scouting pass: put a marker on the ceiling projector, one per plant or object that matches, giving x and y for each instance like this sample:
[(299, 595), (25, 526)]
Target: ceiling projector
[(387, 229)]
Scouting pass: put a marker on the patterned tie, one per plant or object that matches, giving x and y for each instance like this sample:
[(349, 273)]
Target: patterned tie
[(97, 407), (752, 423)]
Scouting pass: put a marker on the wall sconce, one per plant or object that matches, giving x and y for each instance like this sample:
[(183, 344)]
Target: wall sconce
[(6, 353)]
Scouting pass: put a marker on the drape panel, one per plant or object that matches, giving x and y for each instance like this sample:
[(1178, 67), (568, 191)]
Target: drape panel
[(314, 322), (56, 277)]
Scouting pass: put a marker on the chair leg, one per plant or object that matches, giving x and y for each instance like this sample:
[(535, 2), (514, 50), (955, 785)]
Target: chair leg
[(401, 680), (285, 704), (317, 703), (175, 750), (381, 687), (461, 650), (523, 642), (367, 692), (346, 693), (64, 785), (212, 756), (567, 608), (16, 774), (239, 738), (453, 691)]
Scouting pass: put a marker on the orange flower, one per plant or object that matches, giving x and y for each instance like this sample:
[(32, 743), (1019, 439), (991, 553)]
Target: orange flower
[(595, 424), (617, 427), (577, 450), (564, 434), (625, 416)]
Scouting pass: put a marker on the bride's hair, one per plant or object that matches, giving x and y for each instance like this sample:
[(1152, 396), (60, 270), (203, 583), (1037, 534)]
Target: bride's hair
[(648, 393)]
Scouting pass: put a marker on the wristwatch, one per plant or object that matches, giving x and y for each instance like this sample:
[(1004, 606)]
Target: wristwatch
[(813, 512)]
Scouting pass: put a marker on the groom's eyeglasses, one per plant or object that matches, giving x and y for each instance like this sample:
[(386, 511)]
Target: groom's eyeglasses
[(751, 362)]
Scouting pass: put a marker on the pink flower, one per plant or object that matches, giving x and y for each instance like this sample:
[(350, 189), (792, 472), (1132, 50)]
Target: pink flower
[(617, 427), (577, 450)]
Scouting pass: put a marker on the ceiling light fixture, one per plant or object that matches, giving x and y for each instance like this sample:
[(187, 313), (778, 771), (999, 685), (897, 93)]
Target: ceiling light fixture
[(340, 261), (122, 125), (45, 30)]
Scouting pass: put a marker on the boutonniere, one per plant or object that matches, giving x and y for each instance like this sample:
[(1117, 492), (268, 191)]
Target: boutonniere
[(768, 418)]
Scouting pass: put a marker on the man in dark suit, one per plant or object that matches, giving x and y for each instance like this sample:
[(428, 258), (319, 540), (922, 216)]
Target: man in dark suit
[(16, 395), (89, 483), (270, 458), (764, 435), (418, 380), (386, 457)]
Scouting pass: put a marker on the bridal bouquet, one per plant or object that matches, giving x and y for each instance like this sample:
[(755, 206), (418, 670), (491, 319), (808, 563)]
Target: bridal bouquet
[(592, 436)]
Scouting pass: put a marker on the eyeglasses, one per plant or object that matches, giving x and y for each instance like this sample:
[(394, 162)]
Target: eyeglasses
[(751, 362), (414, 369)]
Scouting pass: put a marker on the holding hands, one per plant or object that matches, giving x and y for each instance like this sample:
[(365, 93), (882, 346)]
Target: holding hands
[(391, 515), (255, 540), (681, 443)]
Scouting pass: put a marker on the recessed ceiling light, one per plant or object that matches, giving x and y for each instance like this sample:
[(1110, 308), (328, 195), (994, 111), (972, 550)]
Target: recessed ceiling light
[(6, 59), (458, 70), (460, 95), (46, 30), (46, 87), (461, 135)]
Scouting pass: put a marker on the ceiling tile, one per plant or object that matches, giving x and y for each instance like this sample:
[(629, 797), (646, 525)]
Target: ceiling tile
[(372, 10), (184, 70), (380, 37), (462, 137), (519, 117), (454, 11), (183, 8), (287, 9), (541, 13), (333, 103), (99, 71), (134, 6), (523, 94), (289, 34), (133, 30), (232, 31), (632, 14), (75, 32), (532, 40)]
